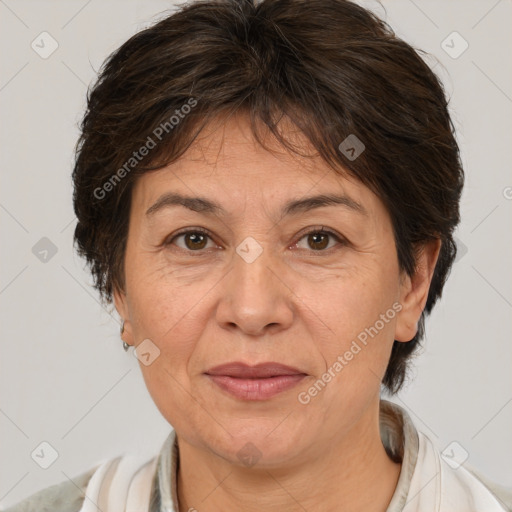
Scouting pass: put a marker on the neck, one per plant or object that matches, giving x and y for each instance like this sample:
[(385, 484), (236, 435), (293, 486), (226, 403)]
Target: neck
[(352, 473)]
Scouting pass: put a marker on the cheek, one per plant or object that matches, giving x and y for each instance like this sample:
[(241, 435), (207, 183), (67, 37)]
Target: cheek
[(355, 301), (164, 312), (356, 355), (360, 311), (169, 317), (162, 297)]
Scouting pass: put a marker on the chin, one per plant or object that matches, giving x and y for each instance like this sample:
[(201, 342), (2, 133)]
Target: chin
[(258, 443)]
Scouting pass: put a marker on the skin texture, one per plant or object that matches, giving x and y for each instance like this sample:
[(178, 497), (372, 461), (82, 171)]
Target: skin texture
[(203, 305)]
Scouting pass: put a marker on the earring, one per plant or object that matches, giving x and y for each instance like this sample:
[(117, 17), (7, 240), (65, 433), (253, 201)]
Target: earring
[(125, 345)]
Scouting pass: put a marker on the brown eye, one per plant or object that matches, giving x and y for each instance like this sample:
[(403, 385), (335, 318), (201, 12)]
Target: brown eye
[(195, 240), (319, 240), (192, 240)]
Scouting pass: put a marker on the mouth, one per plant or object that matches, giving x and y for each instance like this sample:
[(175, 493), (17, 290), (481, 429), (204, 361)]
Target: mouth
[(259, 382)]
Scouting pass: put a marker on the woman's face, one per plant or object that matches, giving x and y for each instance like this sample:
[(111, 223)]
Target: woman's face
[(272, 276)]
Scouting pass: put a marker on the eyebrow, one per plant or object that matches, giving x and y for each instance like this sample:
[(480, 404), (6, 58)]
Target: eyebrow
[(294, 207)]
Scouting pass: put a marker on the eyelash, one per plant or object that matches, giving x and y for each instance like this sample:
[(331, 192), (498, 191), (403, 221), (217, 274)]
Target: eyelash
[(317, 230)]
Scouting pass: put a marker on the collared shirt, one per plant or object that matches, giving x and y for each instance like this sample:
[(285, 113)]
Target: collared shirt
[(428, 481)]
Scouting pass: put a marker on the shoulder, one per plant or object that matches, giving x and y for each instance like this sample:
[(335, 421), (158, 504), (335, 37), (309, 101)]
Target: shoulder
[(452, 485), (503, 494), (66, 496), (129, 480)]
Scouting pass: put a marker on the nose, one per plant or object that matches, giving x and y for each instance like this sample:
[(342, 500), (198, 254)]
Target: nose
[(255, 297)]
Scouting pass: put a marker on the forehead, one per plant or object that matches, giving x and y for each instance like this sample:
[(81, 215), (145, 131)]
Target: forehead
[(228, 144), (227, 163)]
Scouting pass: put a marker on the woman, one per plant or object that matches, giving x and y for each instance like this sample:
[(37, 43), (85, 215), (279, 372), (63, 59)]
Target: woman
[(268, 193)]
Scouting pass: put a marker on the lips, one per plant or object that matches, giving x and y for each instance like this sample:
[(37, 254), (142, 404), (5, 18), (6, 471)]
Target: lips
[(259, 371), (259, 382)]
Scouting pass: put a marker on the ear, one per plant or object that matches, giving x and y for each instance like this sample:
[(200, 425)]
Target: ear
[(414, 291), (121, 305)]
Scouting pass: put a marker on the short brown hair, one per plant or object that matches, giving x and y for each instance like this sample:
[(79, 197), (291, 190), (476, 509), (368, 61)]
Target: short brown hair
[(332, 67)]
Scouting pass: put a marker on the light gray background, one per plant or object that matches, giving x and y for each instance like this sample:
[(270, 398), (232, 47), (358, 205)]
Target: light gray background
[(64, 376)]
